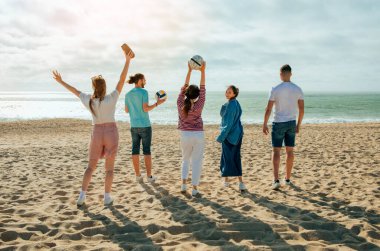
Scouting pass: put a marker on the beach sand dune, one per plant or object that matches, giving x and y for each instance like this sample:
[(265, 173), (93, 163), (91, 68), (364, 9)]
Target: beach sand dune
[(333, 205)]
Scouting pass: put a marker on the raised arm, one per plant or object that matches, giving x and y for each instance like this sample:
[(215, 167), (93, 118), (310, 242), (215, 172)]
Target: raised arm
[(268, 111), (124, 72), (203, 74), (181, 95), (301, 111), (58, 78), (187, 80), (202, 94)]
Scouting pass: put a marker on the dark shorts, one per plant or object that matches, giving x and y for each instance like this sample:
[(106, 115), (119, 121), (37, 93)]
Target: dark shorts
[(284, 132), (144, 135)]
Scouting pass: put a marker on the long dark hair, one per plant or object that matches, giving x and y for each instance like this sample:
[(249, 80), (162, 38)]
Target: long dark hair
[(192, 92), (135, 79), (99, 86)]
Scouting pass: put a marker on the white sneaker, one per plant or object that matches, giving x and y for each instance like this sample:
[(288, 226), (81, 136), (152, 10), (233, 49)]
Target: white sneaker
[(183, 188), (108, 201), (276, 185), (226, 184), (287, 182), (194, 192), (139, 179), (242, 187), (152, 179), (81, 200)]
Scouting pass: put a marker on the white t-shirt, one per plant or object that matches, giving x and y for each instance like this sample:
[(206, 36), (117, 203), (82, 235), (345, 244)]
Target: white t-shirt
[(105, 110), (285, 97)]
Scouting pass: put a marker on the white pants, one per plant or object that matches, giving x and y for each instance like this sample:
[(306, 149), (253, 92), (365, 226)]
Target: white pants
[(192, 145)]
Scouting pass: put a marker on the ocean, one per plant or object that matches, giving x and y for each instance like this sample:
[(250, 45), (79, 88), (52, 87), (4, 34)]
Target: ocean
[(319, 107)]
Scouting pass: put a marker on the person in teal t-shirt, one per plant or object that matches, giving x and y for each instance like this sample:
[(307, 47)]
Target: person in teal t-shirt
[(137, 105)]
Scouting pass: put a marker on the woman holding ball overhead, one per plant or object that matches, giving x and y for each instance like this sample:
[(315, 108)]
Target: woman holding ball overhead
[(231, 135), (190, 103), (105, 137)]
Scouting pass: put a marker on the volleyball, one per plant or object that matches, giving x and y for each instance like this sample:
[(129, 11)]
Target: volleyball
[(196, 62), (161, 94)]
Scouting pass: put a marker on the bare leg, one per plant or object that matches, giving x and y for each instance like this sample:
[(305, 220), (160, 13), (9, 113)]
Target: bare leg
[(276, 161), (136, 164), (184, 181), (88, 174), (148, 164), (289, 161), (240, 179), (109, 166), (225, 179)]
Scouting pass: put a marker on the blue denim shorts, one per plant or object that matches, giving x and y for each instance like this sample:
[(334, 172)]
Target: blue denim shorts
[(144, 135), (284, 132)]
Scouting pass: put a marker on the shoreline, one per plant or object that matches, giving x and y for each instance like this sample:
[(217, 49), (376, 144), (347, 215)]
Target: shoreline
[(171, 125)]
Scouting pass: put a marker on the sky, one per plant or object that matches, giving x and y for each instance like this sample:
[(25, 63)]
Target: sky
[(331, 45)]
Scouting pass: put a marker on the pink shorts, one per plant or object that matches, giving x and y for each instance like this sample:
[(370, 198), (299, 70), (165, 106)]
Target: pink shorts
[(104, 141)]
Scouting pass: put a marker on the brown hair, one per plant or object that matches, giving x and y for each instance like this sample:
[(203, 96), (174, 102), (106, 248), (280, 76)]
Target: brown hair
[(99, 86), (234, 89), (135, 79), (192, 92), (286, 68)]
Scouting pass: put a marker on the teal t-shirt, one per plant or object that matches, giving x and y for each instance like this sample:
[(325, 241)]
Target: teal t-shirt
[(134, 100)]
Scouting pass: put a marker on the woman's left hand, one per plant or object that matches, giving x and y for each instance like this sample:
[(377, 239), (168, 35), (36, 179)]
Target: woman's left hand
[(216, 135), (57, 76)]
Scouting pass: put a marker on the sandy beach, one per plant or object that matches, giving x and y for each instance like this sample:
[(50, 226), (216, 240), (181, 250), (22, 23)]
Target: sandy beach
[(334, 203)]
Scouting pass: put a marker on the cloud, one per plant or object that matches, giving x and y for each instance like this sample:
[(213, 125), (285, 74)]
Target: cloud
[(332, 45)]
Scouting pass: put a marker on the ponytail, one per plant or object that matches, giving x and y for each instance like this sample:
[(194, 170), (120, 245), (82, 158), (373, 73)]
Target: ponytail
[(91, 108), (192, 92), (187, 106), (135, 79), (99, 86)]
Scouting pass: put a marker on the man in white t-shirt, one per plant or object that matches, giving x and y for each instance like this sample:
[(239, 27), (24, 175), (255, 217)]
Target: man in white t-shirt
[(288, 101)]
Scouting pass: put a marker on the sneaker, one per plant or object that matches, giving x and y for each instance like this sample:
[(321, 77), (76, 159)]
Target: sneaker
[(287, 182), (108, 201), (226, 184), (81, 200), (183, 188), (194, 192), (152, 179), (242, 187), (276, 185), (139, 179)]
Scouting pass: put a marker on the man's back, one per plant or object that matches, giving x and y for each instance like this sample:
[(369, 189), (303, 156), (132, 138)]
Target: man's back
[(286, 96), (134, 100)]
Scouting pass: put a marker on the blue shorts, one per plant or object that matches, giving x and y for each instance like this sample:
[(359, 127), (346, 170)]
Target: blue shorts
[(143, 135), (284, 132)]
